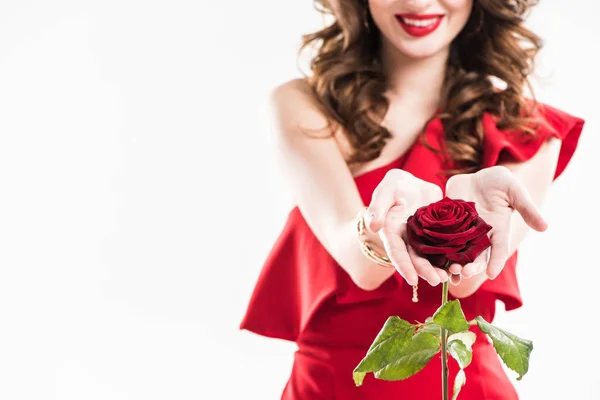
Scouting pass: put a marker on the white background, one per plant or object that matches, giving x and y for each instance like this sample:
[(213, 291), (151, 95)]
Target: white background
[(139, 197)]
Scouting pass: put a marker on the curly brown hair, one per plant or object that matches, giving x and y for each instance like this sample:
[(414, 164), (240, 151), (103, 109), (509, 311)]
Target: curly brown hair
[(349, 83)]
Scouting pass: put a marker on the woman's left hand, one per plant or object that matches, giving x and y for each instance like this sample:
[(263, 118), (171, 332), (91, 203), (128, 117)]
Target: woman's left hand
[(496, 193)]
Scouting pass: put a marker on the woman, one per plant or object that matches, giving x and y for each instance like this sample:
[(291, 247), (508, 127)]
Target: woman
[(403, 106)]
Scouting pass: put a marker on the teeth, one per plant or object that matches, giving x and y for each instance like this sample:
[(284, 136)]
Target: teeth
[(420, 22)]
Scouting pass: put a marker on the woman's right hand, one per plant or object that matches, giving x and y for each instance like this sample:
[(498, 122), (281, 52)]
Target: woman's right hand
[(395, 199)]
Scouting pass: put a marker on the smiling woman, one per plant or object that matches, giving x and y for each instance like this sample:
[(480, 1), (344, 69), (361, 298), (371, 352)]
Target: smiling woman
[(435, 28), (399, 110)]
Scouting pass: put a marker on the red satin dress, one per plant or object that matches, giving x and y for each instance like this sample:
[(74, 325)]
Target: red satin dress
[(303, 295)]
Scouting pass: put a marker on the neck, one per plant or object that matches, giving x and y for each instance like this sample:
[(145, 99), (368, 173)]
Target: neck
[(415, 80)]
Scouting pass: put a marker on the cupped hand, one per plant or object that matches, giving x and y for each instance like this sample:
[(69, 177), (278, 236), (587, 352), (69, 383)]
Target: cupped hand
[(496, 193), (395, 199)]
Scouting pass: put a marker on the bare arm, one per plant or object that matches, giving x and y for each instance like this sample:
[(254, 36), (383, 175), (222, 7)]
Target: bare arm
[(321, 182), (535, 176)]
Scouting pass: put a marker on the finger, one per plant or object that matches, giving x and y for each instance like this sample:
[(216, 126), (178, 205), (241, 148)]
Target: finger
[(519, 199), (398, 254), (424, 268), (442, 274), (381, 201), (455, 269), (477, 266), (498, 254), (455, 279), (454, 274), (433, 194)]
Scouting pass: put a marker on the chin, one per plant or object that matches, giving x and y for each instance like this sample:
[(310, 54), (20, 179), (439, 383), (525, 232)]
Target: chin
[(422, 50)]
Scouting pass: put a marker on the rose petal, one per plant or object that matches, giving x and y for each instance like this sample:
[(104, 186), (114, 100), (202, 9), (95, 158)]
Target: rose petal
[(470, 218), (446, 236), (444, 212), (431, 223), (415, 240), (459, 219), (447, 226), (412, 223), (472, 251), (425, 249), (460, 258), (433, 208), (478, 229), (437, 260), (470, 206), (416, 234), (447, 209)]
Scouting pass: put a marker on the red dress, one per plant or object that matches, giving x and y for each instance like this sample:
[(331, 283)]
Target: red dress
[(303, 295)]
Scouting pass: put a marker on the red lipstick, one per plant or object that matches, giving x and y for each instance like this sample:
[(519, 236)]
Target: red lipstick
[(419, 25)]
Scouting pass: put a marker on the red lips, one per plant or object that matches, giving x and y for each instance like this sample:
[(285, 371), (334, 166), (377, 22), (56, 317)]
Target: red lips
[(419, 25)]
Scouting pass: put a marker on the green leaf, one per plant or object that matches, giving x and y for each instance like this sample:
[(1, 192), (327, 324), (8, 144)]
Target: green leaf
[(460, 353), (414, 358), (395, 335), (460, 347), (468, 338), (459, 382), (432, 328), (392, 327), (451, 317), (513, 350)]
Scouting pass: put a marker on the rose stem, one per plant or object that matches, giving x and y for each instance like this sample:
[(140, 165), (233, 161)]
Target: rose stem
[(444, 350)]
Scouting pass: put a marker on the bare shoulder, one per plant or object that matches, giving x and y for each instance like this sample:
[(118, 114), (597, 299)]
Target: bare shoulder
[(299, 86), (294, 107)]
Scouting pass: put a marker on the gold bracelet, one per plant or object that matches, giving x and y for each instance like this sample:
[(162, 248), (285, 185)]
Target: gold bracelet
[(372, 254), (365, 247)]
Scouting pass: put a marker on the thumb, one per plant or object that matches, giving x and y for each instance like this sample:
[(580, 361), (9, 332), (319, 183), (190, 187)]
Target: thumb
[(381, 201), (520, 200)]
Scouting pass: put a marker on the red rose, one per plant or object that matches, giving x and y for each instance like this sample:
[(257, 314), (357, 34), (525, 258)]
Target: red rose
[(448, 231)]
